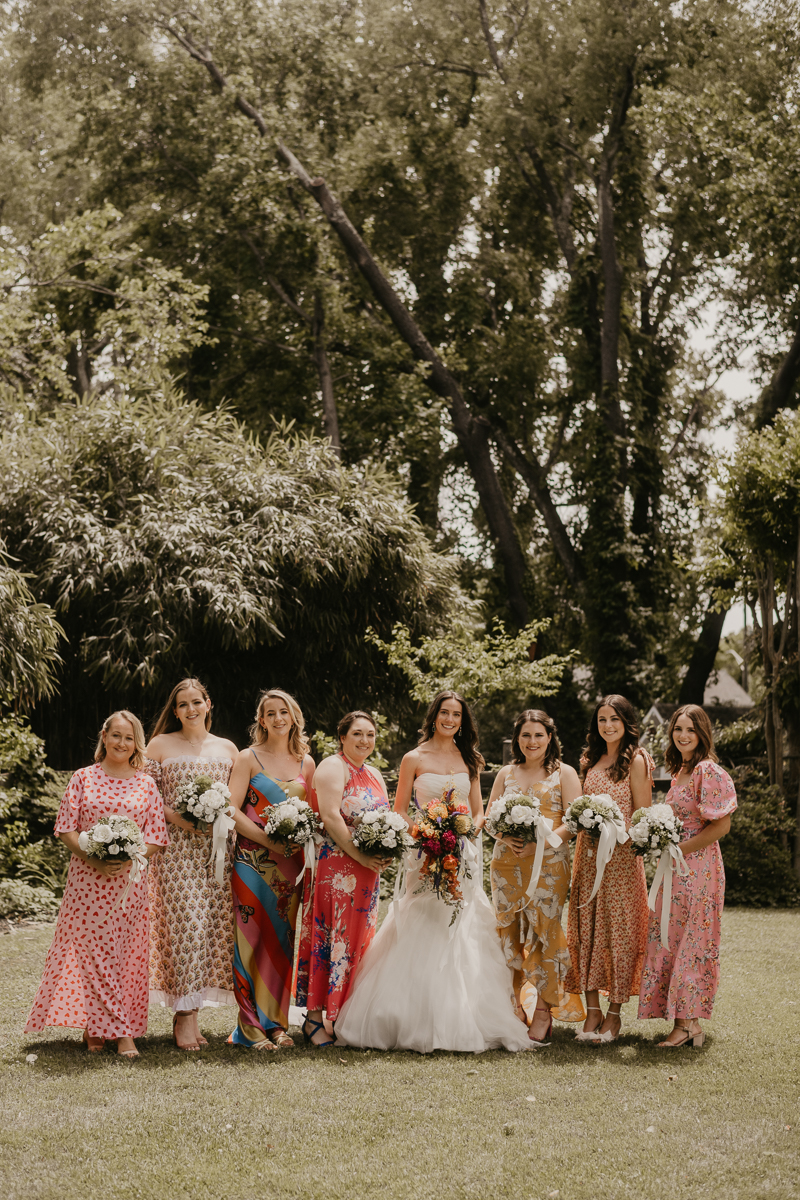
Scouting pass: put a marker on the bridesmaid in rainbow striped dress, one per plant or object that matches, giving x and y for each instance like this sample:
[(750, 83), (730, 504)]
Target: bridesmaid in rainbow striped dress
[(266, 896)]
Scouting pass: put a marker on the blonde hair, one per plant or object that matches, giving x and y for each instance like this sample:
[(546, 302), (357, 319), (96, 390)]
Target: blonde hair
[(298, 743), (137, 758), (167, 721)]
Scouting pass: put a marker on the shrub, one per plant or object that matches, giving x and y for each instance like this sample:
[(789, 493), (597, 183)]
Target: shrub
[(30, 793), (758, 861), (21, 900)]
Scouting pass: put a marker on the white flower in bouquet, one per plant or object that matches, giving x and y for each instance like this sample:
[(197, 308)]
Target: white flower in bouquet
[(292, 823), (588, 814), (381, 831), (112, 835), (514, 815), (654, 829)]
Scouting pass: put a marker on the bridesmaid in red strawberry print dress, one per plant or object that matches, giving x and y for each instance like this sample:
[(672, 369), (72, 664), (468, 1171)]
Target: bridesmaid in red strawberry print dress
[(96, 972), (680, 980)]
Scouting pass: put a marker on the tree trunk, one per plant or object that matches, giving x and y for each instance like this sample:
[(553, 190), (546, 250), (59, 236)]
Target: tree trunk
[(330, 416), (701, 664), (778, 392)]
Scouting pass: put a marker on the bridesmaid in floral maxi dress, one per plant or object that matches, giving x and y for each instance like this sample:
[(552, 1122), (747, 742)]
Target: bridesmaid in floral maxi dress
[(680, 981), (95, 976), (266, 895), (191, 915), (340, 916), (607, 936), (529, 928)]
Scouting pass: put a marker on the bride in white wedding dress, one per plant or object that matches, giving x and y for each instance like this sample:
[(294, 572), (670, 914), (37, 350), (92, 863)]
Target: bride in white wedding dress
[(425, 984)]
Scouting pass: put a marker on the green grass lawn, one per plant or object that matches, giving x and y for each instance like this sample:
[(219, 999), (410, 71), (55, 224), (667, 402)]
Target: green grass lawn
[(572, 1120)]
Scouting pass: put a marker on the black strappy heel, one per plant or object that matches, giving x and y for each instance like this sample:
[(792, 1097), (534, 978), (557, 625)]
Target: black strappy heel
[(309, 1037)]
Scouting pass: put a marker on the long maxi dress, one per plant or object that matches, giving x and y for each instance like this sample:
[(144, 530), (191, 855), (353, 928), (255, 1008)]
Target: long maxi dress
[(95, 974), (607, 936), (340, 915), (529, 927), (682, 981), (191, 915), (425, 984), (266, 898)]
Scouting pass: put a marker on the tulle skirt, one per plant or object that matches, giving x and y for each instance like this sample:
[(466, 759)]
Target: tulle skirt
[(426, 985)]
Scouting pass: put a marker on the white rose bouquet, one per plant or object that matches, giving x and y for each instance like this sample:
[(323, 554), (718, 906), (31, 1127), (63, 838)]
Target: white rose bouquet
[(293, 823), (118, 838), (201, 800), (204, 802), (514, 815), (655, 834), (601, 817), (655, 829), (588, 814), (383, 832)]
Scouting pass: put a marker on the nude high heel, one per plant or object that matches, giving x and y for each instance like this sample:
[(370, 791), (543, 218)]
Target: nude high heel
[(696, 1039)]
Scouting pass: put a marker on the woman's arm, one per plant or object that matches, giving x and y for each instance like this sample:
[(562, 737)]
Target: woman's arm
[(329, 784), (476, 803), (238, 785), (570, 790), (405, 783), (641, 783), (711, 832), (307, 770)]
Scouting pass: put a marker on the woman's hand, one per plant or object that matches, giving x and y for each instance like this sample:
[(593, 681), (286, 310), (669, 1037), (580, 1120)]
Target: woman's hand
[(110, 867), (373, 862), (174, 818)]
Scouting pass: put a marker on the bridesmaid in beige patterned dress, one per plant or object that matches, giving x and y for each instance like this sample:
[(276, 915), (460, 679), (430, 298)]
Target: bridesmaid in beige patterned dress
[(529, 927), (191, 915), (607, 936)]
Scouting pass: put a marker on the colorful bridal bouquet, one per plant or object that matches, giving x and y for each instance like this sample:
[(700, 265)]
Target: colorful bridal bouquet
[(294, 823), (204, 802), (518, 814), (383, 832), (442, 831), (601, 817), (116, 837), (655, 834)]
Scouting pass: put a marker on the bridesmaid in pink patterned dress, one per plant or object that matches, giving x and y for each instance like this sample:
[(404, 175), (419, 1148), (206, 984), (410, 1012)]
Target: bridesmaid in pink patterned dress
[(341, 914), (607, 936), (95, 976), (191, 915), (680, 982)]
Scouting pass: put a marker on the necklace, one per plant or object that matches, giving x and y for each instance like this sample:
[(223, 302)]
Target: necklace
[(191, 743)]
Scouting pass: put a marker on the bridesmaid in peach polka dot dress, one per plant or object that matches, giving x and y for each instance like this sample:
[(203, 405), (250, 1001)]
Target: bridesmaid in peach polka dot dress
[(95, 977), (607, 936)]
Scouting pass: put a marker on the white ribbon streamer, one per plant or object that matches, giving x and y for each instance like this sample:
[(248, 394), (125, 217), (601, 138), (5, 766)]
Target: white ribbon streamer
[(612, 833), (222, 826), (671, 859), (544, 834), (138, 868), (310, 857), (468, 850)]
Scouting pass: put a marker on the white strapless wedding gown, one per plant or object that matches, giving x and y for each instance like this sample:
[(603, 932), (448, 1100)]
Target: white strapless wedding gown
[(424, 985)]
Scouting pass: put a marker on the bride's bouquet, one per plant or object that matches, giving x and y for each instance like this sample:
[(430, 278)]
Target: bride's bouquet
[(294, 823), (381, 831), (204, 802), (116, 837), (519, 815), (601, 817), (655, 834), (442, 831)]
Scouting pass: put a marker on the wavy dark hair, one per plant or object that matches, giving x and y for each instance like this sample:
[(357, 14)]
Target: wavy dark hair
[(167, 720), (552, 757), (347, 720), (595, 746), (673, 759), (466, 739)]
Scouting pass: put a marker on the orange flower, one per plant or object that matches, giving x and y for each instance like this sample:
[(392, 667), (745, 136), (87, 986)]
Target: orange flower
[(415, 831), (450, 862)]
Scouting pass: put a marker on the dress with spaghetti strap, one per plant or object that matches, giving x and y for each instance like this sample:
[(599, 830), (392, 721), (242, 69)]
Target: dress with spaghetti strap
[(266, 899), (340, 914)]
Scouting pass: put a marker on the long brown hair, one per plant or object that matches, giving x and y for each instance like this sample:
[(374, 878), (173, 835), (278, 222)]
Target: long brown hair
[(137, 758), (349, 718), (298, 745), (466, 739), (167, 721), (552, 757), (701, 724), (596, 747)]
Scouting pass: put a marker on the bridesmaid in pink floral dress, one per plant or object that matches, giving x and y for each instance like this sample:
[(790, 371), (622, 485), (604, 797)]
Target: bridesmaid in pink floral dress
[(341, 914), (607, 936), (95, 976), (680, 982)]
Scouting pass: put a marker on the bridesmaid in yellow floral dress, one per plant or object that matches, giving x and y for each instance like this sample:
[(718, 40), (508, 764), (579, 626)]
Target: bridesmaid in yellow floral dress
[(191, 915), (607, 936), (529, 928)]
